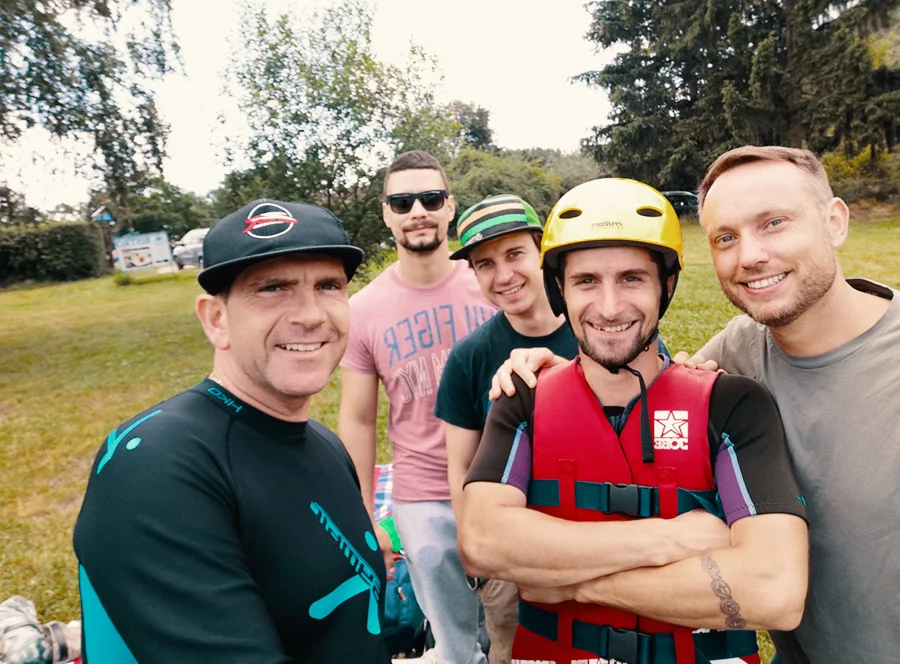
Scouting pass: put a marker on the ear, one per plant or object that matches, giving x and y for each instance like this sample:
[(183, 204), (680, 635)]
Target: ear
[(837, 221), (385, 211), (451, 206), (670, 284), (213, 315)]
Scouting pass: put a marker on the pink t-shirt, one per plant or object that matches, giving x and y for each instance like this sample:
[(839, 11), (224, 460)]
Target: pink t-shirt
[(404, 335)]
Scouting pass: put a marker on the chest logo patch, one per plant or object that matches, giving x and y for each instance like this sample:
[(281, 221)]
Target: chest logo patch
[(364, 579), (670, 429)]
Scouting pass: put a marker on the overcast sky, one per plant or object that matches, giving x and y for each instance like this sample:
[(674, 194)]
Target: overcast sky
[(513, 57)]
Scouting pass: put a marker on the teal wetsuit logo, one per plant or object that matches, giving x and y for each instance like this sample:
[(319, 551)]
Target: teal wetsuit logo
[(364, 580), (114, 438)]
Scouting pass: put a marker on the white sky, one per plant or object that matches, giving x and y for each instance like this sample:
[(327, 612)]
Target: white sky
[(513, 57)]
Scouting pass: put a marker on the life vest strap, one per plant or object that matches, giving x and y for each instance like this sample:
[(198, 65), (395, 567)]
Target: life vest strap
[(633, 647), (631, 500)]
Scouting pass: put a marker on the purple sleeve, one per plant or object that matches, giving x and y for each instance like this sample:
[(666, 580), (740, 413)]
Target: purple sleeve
[(753, 469), (504, 454)]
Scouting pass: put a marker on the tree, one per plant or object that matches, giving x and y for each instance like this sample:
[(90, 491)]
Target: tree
[(475, 174), (14, 210), (61, 69), (325, 114), (573, 168), (474, 125), (166, 207), (701, 76)]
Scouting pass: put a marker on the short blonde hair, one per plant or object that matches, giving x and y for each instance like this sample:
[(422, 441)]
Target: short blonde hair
[(805, 160)]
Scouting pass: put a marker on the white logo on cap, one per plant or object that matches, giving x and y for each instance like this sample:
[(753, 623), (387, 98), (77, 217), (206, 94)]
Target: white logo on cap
[(670, 429), (268, 220), (475, 238)]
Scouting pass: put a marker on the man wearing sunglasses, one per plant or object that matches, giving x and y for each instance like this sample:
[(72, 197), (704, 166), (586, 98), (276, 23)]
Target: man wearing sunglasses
[(403, 326)]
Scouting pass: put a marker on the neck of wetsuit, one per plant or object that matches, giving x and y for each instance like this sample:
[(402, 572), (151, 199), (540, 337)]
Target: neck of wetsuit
[(646, 439)]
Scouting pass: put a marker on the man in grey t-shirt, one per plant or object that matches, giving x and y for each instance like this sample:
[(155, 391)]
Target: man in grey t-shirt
[(829, 351)]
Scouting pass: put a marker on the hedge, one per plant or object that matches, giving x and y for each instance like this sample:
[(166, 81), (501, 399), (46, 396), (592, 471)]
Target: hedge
[(51, 252)]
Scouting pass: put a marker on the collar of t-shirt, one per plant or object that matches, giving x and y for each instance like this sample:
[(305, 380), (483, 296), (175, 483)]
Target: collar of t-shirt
[(246, 414), (836, 355)]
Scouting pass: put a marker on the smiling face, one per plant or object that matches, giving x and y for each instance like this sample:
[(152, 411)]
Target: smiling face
[(612, 297), (773, 240), (283, 328), (418, 231), (508, 270)]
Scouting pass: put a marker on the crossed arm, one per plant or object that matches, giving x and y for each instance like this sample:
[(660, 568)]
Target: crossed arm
[(758, 582), (500, 538)]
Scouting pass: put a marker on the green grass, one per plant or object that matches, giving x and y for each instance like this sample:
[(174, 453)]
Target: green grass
[(77, 359)]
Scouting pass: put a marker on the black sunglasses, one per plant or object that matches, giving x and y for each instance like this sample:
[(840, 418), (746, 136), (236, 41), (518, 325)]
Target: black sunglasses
[(431, 200)]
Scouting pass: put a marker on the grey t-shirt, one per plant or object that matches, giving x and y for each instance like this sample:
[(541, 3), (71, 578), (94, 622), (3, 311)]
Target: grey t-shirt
[(841, 413)]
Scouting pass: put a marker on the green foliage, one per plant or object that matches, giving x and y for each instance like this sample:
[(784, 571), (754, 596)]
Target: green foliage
[(51, 252), (165, 207), (474, 125), (61, 68), (474, 175), (866, 175), (886, 45), (324, 114), (574, 168), (14, 210), (699, 77), (132, 279)]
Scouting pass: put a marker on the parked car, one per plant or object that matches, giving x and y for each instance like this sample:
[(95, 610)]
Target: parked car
[(189, 249), (684, 202)]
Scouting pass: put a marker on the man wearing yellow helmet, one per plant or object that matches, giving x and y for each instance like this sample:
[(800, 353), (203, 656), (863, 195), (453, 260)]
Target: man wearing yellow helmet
[(593, 512)]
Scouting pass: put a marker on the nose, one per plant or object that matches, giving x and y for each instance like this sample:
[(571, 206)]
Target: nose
[(610, 304), (753, 251), (505, 273), (418, 210), (306, 309)]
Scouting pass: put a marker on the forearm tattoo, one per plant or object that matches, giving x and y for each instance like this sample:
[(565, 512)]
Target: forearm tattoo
[(727, 604)]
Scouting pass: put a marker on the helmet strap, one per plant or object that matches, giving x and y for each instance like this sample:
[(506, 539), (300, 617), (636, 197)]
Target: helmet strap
[(646, 440)]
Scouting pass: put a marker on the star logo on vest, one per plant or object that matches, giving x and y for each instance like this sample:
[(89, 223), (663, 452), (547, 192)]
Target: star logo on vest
[(670, 429)]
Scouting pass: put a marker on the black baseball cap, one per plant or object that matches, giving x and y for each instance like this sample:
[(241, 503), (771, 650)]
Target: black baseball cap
[(267, 229)]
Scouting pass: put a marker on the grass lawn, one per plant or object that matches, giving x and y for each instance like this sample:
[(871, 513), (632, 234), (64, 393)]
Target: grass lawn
[(77, 359)]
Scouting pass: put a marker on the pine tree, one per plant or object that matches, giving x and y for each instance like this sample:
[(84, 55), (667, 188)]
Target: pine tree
[(698, 77)]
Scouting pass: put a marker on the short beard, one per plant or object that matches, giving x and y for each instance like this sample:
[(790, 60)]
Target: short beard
[(625, 356), (810, 292), (422, 247)]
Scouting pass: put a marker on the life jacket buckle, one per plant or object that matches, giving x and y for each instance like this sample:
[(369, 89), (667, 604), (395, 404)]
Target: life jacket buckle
[(622, 645), (624, 499)]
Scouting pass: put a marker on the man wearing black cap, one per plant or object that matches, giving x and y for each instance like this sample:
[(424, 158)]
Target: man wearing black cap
[(223, 525)]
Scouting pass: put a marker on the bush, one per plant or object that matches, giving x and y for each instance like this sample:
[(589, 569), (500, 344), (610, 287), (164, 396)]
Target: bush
[(51, 252), (867, 175)]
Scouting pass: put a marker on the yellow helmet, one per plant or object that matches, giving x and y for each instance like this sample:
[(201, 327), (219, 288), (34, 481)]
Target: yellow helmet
[(611, 212)]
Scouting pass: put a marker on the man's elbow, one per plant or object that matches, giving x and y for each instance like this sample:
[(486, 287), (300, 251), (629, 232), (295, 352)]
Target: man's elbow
[(783, 601), (477, 547)]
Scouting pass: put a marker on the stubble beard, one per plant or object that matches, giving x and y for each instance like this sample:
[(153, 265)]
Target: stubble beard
[(810, 290), (620, 353)]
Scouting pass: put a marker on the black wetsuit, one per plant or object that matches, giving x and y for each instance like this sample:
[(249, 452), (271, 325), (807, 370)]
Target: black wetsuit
[(212, 532)]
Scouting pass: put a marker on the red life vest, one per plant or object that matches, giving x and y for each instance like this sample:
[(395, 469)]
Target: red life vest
[(583, 471)]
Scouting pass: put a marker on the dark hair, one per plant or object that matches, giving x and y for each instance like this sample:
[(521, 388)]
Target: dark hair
[(413, 160), (803, 159)]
